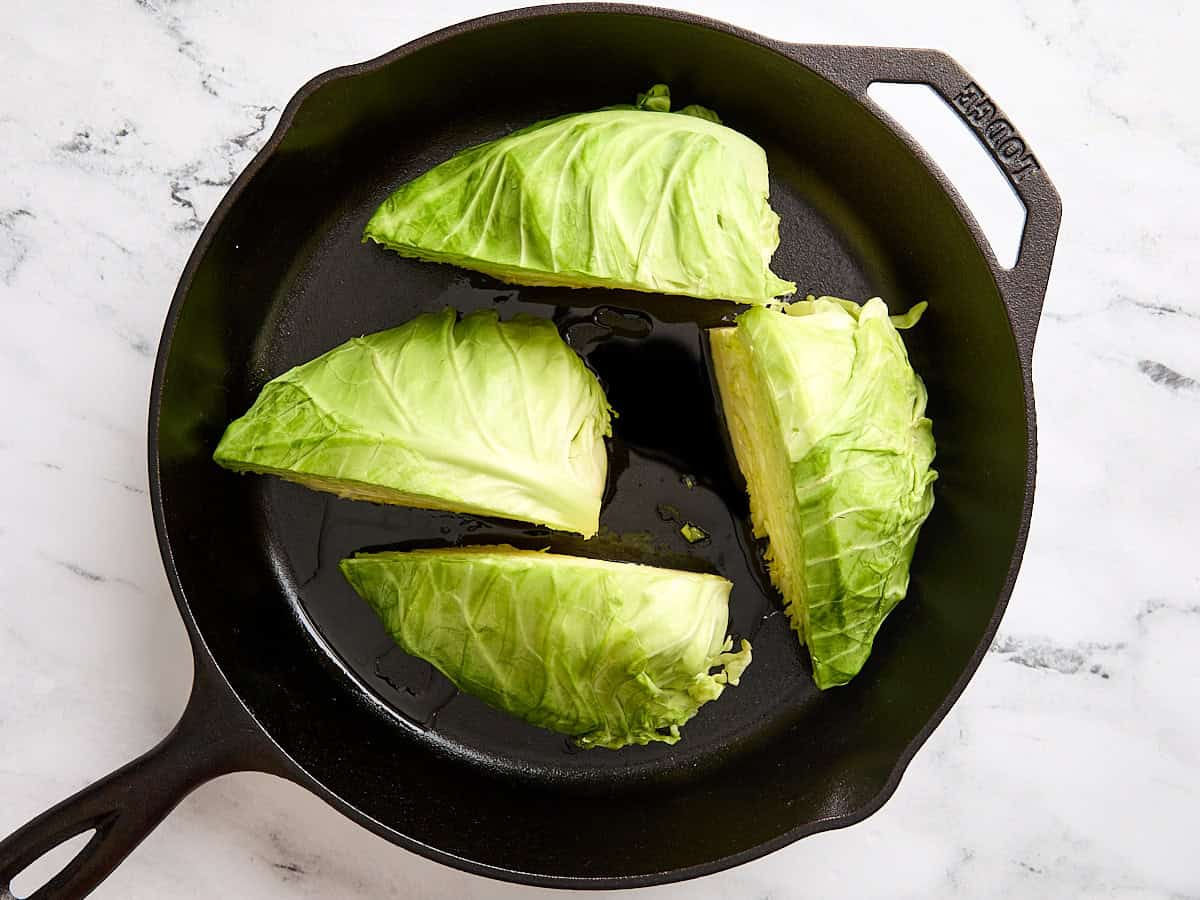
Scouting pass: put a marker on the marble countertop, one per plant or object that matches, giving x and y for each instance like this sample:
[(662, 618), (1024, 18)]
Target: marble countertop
[(1068, 769)]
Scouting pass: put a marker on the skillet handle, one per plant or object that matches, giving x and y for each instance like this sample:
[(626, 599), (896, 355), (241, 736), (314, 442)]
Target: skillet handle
[(214, 736), (854, 69)]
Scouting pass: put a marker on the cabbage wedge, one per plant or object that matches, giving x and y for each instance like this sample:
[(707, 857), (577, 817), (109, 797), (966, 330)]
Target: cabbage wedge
[(608, 653), (633, 197), (827, 420), (474, 416)]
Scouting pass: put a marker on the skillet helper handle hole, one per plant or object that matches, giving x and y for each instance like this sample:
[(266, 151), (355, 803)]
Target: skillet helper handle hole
[(922, 112), (856, 69)]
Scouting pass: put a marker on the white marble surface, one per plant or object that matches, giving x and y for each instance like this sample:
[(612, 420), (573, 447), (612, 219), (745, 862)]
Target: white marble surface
[(1069, 769)]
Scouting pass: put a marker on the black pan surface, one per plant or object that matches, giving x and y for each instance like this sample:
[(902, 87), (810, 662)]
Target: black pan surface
[(295, 674)]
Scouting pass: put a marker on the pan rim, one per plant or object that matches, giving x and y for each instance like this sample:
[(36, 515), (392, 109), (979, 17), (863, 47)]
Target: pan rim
[(203, 655)]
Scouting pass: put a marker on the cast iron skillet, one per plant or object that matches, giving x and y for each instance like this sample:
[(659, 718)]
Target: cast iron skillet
[(294, 674)]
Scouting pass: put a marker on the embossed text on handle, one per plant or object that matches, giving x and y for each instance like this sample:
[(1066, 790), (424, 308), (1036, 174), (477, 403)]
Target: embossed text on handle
[(1007, 146)]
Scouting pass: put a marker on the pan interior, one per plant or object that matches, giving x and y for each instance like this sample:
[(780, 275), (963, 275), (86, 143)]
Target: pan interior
[(286, 278)]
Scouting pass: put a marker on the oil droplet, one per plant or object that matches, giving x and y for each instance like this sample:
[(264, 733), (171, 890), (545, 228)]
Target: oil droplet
[(420, 692), (623, 322)]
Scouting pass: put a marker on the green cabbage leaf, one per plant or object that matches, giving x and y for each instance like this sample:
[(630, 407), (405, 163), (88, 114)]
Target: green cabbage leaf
[(608, 653), (475, 416), (827, 420), (632, 197)]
